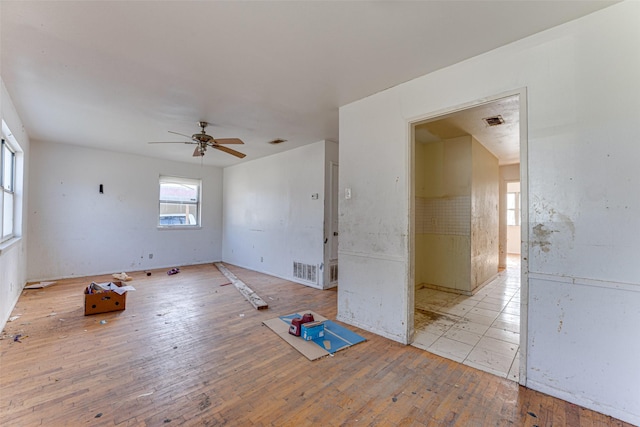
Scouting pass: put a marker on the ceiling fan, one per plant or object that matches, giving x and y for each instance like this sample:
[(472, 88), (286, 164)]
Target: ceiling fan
[(202, 141)]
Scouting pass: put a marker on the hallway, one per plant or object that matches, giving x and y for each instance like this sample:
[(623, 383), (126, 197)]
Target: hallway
[(481, 331)]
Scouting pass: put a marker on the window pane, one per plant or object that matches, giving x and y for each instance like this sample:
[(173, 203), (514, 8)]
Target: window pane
[(178, 214), (511, 200), (179, 202), (174, 192), (7, 168), (511, 217), (7, 215)]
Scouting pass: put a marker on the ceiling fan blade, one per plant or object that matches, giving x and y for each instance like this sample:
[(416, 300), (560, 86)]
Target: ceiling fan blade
[(228, 141), (229, 150), (171, 142), (197, 152), (181, 134)]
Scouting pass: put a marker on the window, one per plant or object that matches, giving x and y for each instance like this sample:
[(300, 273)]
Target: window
[(179, 202), (7, 183), (513, 203)]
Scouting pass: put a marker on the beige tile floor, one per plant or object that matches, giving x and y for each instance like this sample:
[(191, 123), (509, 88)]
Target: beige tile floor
[(481, 331)]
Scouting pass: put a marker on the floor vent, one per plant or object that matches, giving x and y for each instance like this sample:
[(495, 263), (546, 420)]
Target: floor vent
[(307, 272), (333, 273)]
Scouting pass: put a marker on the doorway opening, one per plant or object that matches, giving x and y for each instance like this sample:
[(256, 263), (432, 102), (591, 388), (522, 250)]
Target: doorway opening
[(467, 166), (332, 234)]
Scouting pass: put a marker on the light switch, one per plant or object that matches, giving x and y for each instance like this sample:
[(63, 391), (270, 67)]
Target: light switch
[(347, 193), (314, 196)]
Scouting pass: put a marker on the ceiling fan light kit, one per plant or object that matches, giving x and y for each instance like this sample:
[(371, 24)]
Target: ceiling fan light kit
[(203, 140)]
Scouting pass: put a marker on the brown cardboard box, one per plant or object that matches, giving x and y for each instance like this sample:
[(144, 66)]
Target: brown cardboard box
[(104, 302)]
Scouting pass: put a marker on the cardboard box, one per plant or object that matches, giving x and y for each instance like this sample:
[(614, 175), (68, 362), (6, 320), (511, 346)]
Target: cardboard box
[(312, 330), (103, 301)]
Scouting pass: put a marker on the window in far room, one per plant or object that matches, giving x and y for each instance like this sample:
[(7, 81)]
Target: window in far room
[(179, 205), (513, 203)]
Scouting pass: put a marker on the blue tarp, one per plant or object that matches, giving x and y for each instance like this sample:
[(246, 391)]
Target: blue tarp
[(338, 336)]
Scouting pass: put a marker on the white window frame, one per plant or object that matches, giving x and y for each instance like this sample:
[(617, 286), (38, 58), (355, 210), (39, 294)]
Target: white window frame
[(8, 188), (191, 219), (515, 209)]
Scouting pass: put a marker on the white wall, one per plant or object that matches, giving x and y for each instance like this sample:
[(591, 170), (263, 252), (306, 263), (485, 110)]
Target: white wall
[(76, 231), (13, 254), (442, 233), (583, 146), (484, 215), (270, 217)]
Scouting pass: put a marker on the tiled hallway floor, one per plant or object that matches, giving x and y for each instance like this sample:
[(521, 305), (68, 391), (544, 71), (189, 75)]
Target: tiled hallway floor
[(481, 331)]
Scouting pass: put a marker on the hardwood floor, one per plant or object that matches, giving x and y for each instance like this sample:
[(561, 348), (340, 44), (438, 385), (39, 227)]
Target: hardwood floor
[(190, 351)]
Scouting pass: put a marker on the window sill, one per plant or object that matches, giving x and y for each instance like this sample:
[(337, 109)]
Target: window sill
[(178, 227), (5, 246)]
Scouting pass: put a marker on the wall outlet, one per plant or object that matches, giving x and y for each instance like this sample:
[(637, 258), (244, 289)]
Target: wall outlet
[(150, 256), (261, 259)]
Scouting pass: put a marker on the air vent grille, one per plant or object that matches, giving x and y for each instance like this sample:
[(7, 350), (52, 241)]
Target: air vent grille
[(277, 141), (333, 273), (306, 272), (494, 120)]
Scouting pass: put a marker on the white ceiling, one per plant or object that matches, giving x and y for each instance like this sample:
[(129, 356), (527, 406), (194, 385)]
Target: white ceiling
[(117, 74), (502, 140)]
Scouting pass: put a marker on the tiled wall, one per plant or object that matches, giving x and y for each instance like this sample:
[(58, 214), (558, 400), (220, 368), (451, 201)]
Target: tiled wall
[(443, 215)]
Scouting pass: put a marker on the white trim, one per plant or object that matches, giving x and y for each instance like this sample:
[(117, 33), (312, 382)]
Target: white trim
[(524, 234), (8, 244)]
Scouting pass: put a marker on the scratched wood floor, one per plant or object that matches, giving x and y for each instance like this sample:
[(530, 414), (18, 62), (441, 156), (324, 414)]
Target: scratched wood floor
[(191, 351)]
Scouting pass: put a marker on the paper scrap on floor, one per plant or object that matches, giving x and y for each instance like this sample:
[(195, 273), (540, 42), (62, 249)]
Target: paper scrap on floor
[(110, 286), (40, 285)]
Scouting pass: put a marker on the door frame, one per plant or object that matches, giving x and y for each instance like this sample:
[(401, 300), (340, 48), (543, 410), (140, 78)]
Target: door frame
[(333, 215), (524, 214)]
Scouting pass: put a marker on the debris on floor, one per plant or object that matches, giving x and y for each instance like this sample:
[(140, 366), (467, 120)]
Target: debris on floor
[(12, 318), (122, 276), (147, 272), (105, 297), (144, 394), (175, 270), (116, 287), (39, 285), (255, 300)]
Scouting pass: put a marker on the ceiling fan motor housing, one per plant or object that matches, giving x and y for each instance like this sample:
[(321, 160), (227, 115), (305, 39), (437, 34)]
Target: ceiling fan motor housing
[(202, 137)]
